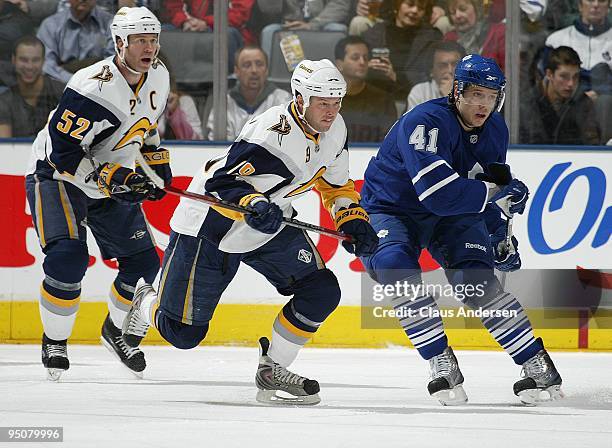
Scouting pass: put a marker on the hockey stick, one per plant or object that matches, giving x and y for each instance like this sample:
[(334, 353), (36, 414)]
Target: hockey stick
[(211, 200)]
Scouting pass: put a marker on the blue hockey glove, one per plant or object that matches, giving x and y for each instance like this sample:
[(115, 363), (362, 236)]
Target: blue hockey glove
[(122, 184), (268, 216), (354, 221), (506, 259), (159, 160), (512, 198)]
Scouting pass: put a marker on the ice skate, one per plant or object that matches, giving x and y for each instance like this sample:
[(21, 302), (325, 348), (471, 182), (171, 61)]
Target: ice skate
[(130, 357), (541, 380), (277, 385), (446, 379), (134, 326), (54, 357)]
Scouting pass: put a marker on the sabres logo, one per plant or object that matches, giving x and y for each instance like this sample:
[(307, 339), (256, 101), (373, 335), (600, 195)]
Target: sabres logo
[(105, 75), (282, 127), (135, 134)]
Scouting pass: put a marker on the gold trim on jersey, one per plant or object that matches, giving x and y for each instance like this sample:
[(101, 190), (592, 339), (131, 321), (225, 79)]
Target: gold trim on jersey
[(330, 193), (315, 138), (62, 303), (308, 185)]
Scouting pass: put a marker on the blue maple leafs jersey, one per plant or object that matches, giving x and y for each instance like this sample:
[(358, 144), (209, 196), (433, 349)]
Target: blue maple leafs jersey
[(427, 164)]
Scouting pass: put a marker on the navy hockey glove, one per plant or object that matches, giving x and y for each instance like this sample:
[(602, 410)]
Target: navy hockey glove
[(159, 160), (506, 259), (122, 184), (511, 199), (268, 216), (354, 221)]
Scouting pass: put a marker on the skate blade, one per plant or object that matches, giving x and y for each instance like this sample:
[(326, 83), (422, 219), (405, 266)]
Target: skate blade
[(531, 397), (451, 397), (139, 375), (54, 374), (279, 398)]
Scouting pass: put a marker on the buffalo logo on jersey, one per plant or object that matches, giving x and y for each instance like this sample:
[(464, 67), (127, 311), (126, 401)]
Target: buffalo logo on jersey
[(282, 127), (135, 134), (308, 185), (105, 75)]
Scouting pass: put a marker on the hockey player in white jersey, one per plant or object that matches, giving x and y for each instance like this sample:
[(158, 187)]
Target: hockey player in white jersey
[(82, 172), (279, 156)]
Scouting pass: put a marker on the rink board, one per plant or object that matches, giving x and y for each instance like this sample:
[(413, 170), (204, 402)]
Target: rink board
[(566, 226)]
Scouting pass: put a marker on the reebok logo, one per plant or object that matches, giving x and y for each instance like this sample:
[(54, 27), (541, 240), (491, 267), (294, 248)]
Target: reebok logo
[(475, 246)]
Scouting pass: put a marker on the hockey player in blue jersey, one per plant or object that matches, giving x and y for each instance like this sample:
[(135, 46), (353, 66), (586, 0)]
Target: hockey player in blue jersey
[(278, 156), (432, 185), (109, 108)]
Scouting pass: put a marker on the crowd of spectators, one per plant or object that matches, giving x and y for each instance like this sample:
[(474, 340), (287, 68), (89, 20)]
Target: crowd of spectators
[(396, 55)]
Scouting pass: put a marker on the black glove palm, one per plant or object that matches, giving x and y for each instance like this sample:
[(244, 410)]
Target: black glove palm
[(354, 222)]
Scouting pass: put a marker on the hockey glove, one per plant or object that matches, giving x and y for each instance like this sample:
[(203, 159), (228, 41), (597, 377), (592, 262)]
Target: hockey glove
[(354, 221), (506, 259), (511, 199), (159, 160), (268, 216), (122, 184)]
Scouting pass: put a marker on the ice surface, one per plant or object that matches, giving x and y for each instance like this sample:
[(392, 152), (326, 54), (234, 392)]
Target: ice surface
[(370, 398)]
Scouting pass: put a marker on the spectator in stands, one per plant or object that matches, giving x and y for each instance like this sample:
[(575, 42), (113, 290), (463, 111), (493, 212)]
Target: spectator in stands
[(474, 31), (367, 111), (409, 39), (75, 38), (24, 108), (180, 120), (446, 56), (323, 15), (590, 35), (14, 23), (252, 95), (364, 19), (559, 112), (198, 16)]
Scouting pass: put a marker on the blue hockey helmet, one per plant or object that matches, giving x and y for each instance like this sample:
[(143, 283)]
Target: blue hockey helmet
[(477, 70)]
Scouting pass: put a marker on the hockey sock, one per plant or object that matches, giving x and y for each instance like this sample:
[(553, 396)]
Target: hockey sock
[(119, 301), (290, 332), (59, 303), (420, 319), (513, 332)]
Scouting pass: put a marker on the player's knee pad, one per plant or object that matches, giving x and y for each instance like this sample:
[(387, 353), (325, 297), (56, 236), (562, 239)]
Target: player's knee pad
[(141, 265), (392, 263), (316, 295), (66, 261), (178, 334), (474, 283)]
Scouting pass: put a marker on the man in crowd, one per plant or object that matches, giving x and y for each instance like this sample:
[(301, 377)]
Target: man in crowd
[(252, 95), (24, 109), (368, 111)]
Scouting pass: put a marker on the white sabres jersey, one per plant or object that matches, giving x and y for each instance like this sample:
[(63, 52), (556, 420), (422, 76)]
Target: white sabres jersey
[(274, 155), (101, 110)]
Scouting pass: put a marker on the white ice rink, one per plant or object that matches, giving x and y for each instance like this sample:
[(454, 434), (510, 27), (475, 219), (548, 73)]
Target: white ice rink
[(370, 398)]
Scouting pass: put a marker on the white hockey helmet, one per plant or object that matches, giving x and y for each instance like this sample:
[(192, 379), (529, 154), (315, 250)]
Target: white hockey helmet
[(138, 20), (317, 78)]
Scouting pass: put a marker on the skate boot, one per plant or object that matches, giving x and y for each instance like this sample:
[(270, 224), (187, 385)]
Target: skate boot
[(130, 357), (272, 378), (54, 357), (134, 326), (541, 380), (446, 379)]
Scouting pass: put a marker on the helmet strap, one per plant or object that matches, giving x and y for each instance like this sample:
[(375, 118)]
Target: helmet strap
[(121, 56)]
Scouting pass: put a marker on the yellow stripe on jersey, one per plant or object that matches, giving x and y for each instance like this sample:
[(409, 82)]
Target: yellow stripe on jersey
[(119, 297), (292, 328), (68, 212), (40, 226), (329, 193), (63, 303), (308, 184), (135, 134)]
